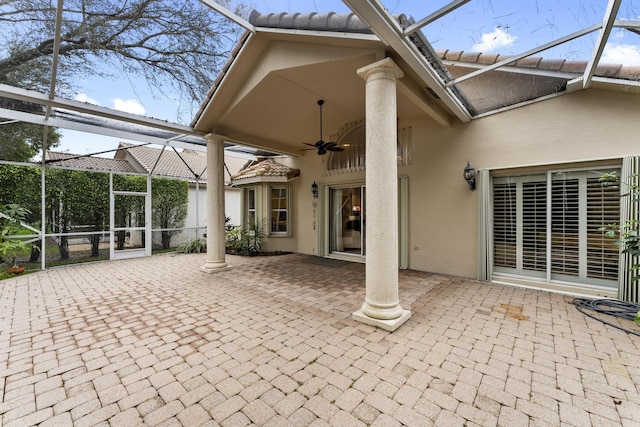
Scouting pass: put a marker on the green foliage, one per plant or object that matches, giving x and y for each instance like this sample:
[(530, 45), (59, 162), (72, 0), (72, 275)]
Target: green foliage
[(171, 44), (20, 141), (628, 234), (637, 319), (194, 246), (21, 185), (11, 216), (77, 198), (128, 209), (246, 242), (170, 203)]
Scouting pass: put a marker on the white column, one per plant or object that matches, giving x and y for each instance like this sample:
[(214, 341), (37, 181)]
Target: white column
[(381, 307), (215, 205)]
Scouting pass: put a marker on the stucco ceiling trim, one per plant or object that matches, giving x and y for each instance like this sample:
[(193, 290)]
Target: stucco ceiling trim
[(412, 92)]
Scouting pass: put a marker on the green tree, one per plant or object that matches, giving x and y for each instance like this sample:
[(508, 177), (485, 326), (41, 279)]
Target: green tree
[(20, 142), (59, 205), (170, 201), (21, 185), (175, 45), (91, 204)]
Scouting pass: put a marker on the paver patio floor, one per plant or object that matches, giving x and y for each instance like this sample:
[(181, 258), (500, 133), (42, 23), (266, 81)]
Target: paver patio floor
[(271, 341)]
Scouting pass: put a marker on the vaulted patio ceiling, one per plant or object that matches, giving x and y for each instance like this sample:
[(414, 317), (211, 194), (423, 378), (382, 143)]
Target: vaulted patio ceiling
[(277, 110)]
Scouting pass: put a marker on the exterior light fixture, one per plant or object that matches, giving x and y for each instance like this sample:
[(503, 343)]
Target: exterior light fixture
[(314, 190), (470, 176)]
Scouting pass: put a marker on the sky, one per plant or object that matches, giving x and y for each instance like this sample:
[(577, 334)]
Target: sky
[(490, 26)]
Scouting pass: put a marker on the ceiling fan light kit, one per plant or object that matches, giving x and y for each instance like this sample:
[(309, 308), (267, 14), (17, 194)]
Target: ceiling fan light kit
[(320, 145)]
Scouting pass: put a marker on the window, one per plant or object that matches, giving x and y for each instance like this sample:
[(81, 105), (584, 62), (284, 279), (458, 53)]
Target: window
[(549, 225), (352, 138), (250, 206), (279, 210)]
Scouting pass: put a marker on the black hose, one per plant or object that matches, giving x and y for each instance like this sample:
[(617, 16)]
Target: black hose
[(611, 307)]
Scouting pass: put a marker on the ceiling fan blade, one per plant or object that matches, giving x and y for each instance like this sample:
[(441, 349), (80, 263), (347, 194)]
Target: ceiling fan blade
[(311, 145), (330, 144), (334, 148)]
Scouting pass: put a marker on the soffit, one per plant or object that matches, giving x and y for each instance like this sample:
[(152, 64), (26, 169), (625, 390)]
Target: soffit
[(270, 99)]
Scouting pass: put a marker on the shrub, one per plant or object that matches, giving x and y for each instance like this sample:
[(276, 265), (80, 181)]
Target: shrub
[(195, 246), (245, 242)]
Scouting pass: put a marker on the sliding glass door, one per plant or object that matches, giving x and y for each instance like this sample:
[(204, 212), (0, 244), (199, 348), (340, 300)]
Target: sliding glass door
[(551, 226), (347, 220)]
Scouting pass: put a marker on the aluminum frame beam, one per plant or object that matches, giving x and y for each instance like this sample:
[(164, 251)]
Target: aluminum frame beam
[(388, 30), (11, 92), (603, 36)]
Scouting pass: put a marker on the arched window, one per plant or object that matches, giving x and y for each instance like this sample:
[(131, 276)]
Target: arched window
[(353, 159)]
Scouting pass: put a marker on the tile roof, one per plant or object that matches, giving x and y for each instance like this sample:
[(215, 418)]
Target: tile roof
[(88, 163), (349, 22), (169, 163), (331, 21), (172, 164), (267, 170), (541, 64)]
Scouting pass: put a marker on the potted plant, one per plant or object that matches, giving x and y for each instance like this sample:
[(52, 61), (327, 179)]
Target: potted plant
[(11, 217)]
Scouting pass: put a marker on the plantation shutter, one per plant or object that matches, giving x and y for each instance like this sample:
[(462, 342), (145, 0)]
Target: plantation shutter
[(504, 224), (628, 289), (603, 209), (534, 225), (565, 225)]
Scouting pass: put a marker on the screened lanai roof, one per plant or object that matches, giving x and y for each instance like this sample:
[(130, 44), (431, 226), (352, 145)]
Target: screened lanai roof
[(590, 38)]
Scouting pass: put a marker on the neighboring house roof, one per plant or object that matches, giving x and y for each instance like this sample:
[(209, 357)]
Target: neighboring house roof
[(88, 163), (186, 164), (144, 158), (267, 170)]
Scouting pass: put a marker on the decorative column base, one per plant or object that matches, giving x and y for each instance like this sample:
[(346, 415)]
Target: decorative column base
[(386, 324), (214, 267)]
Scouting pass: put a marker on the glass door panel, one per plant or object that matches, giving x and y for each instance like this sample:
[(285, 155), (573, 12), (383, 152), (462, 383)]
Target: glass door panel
[(347, 225)]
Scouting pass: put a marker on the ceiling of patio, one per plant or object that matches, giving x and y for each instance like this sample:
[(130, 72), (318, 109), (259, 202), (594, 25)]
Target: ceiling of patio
[(588, 33)]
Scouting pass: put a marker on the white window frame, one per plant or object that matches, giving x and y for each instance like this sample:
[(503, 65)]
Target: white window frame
[(245, 205), (287, 209)]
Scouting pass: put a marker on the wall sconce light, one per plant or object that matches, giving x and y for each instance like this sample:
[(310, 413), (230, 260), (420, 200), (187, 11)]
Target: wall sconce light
[(470, 176), (314, 190)]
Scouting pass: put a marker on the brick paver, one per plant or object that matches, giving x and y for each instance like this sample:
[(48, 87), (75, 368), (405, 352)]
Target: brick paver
[(271, 342)]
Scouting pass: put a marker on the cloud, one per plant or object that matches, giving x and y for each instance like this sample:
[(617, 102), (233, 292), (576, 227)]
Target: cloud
[(494, 41), (128, 106), (83, 97), (626, 54)]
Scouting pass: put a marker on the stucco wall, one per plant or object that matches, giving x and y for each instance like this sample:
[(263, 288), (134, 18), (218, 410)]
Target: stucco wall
[(583, 126)]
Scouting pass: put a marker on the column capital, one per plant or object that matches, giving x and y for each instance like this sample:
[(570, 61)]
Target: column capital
[(384, 68), (214, 137)]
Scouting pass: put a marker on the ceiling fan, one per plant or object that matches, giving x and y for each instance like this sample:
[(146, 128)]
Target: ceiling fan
[(320, 145)]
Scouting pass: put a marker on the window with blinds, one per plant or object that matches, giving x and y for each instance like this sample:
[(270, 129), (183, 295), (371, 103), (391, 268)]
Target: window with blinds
[(550, 225), (565, 232), (504, 224), (534, 225), (603, 209)]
